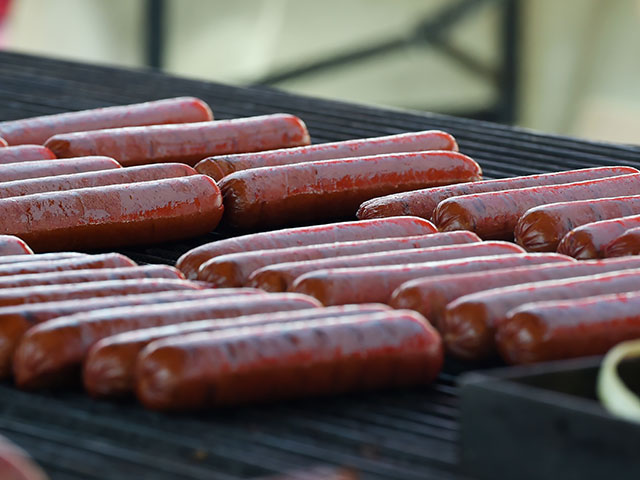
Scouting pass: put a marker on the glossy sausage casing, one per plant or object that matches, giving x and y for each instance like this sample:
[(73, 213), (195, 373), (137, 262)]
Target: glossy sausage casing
[(49, 168), (554, 330), (541, 228), (221, 166), (172, 110), (234, 269), (13, 246), (272, 362), (109, 366), (590, 240), (106, 260), (422, 203), (494, 215), (333, 189), (340, 286), (626, 244), (25, 153), (471, 321), (115, 215), (280, 277), (185, 143), (191, 261)]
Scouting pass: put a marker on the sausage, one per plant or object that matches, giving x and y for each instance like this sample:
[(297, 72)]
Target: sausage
[(25, 153), (422, 203), (17, 319), (430, 296), (11, 246), (108, 369), (38, 257), (233, 270), (49, 168), (54, 293), (333, 189), (223, 165), (554, 330), (494, 215), (52, 351), (190, 262), (185, 143), (471, 321), (256, 364), (541, 228), (281, 276), (3, 142), (107, 260), (145, 173), (15, 464), (339, 286), (115, 215), (171, 110), (590, 240), (626, 244)]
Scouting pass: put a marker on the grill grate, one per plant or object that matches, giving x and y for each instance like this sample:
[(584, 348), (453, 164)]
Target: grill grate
[(410, 434)]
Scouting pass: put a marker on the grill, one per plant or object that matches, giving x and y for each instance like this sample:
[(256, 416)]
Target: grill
[(410, 434)]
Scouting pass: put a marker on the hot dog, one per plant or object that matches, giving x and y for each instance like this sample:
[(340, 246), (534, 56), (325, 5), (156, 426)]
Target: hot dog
[(590, 240), (380, 350), (221, 166), (626, 244), (11, 246), (185, 143), (107, 260), (190, 262), (38, 257), (51, 351), (234, 269), (280, 277), (471, 321), (115, 215), (17, 319), (49, 168), (145, 173), (340, 286), (54, 293), (25, 153), (553, 330), (494, 215), (3, 142), (541, 228), (15, 464), (172, 110), (422, 203), (333, 189), (109, 367)]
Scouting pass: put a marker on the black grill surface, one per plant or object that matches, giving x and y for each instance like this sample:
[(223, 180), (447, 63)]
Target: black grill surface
[(409, 434)]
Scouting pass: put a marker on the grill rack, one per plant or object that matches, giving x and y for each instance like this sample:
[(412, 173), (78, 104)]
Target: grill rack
[(409, 434)]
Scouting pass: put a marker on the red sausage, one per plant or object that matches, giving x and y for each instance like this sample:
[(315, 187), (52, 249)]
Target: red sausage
[(54, 293), (221, 166), (590, 240), (145, 173), (626, 244), (109, 366), (281, 276), (171, 110), (333, 189), (191, 261), (541, 228), (25, 153), (38, 257), (49, 168), (554, 330), (340, 286), (494, 215), (471, 321), (265, 363), (115, 215), (49, 352), (3, 142), (15, 464), (17, 319), (422, 203), (107, 260), (234, 269), (11, 246), (185, 143)]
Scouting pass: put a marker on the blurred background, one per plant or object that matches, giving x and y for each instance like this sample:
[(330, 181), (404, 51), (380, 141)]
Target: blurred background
[(569, 67)]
